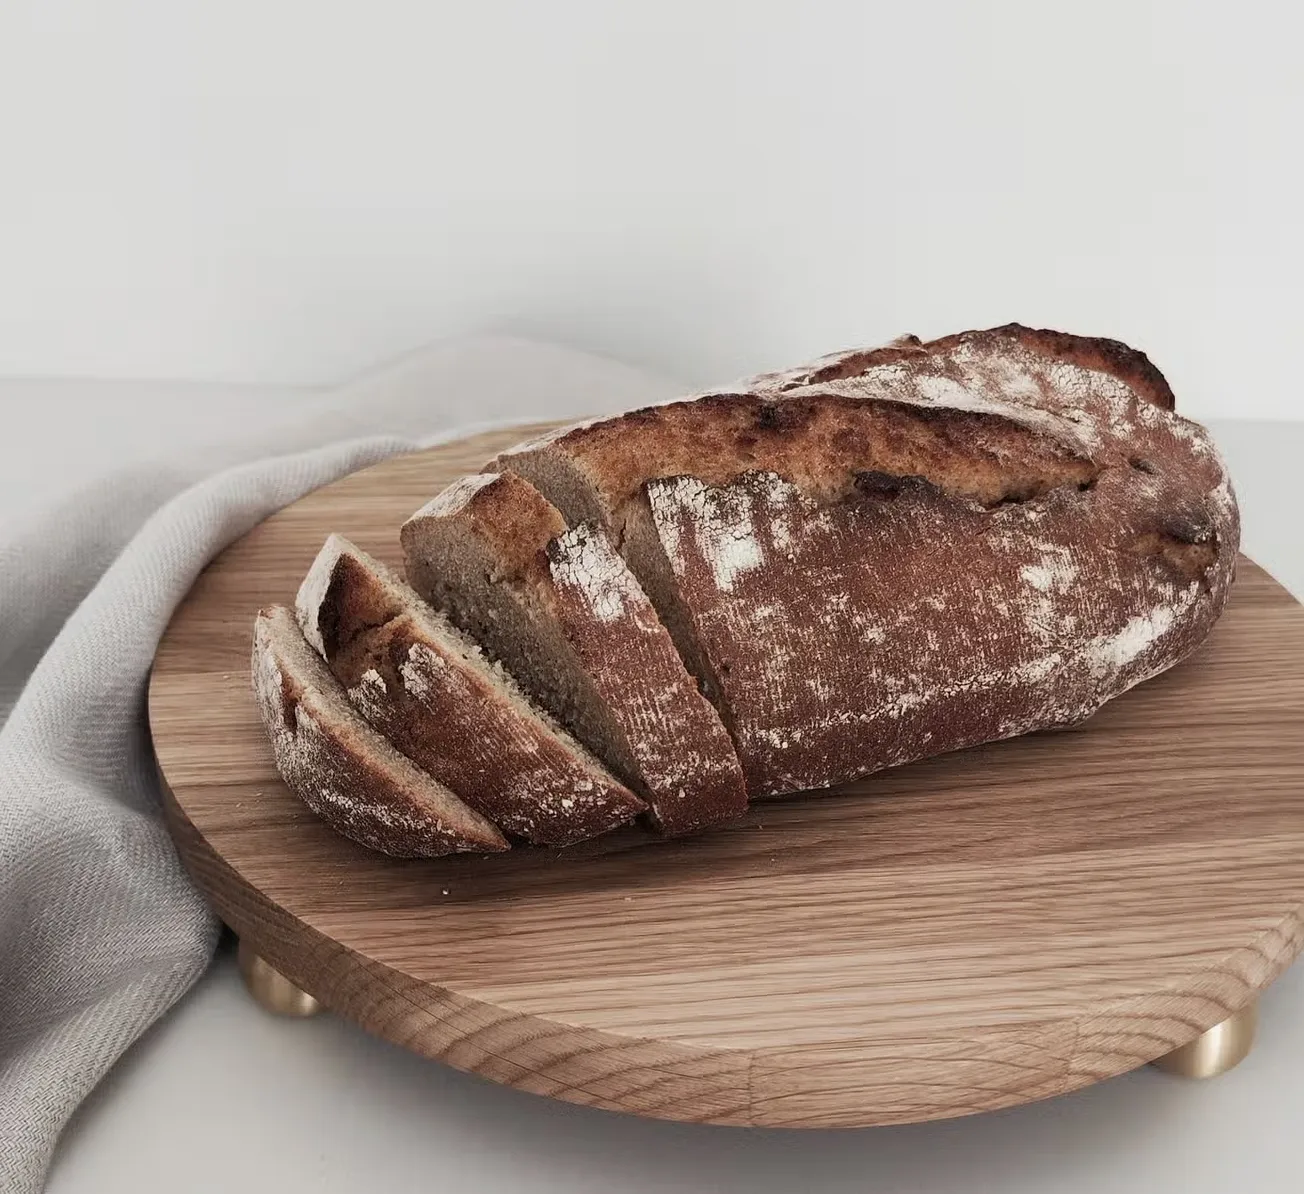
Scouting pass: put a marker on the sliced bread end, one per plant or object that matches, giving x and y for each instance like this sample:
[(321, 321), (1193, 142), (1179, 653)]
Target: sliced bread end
[(340, 767)]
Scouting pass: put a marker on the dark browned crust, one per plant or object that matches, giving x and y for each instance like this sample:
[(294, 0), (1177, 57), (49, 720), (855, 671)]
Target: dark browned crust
[(819, 441), (1129, 365), (689, 771), (519, 522), (351, 606), (340, 767), (1143, 495)]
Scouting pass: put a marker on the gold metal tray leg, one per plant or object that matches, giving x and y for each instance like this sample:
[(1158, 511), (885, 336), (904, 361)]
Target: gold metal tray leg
[(1216, 1051), (271, 988)]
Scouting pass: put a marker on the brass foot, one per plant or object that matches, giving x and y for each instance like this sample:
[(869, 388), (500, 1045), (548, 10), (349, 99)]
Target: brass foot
[(271, 988), (1216, 1051)]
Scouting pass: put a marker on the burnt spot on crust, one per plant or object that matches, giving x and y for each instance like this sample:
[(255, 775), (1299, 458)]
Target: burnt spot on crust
[(554, 552), (888, 487), (1188, 527), (783, 417), (1017, 495), (1142, 465)]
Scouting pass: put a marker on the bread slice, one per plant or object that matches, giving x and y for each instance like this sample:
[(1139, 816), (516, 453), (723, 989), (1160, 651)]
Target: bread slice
[(560, 609), (428, 688), (907, 550), (340, 767)]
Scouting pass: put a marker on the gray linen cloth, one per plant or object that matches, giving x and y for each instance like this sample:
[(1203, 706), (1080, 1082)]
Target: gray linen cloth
[(100, 929)]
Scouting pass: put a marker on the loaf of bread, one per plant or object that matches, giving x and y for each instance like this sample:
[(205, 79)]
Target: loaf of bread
[(821, 572), (560, 609), (904, 551), (431, 692), (341, 768)]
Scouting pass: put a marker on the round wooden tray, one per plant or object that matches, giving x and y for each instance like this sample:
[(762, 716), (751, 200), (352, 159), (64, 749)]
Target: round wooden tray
[(972, 932)]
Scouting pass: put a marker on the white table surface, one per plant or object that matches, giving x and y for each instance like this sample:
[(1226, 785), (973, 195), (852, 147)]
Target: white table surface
[(223, 1097)]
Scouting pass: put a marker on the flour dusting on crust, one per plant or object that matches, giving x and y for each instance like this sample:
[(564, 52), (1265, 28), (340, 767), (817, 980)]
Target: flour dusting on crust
[(1109, 654), (681, 751), (461, 719), (725, 530), (455, 497), (585, 561)]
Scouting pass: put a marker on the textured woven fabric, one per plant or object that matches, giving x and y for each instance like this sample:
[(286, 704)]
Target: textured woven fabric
[(100, 930), (99, 927)]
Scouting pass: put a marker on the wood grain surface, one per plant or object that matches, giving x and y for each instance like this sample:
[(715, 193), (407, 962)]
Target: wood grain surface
[(967, 933)]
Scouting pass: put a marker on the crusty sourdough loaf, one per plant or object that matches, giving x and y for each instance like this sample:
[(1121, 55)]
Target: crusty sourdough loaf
[(560, 609), (341, 768), (427, 687), (884, 555), (903, 551)]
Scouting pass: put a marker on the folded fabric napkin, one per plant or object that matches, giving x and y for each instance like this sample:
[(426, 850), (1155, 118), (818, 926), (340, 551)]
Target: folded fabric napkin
[(100, 929)]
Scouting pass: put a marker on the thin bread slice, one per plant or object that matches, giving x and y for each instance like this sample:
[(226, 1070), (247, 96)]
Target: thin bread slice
[(429, 689), (560, 609), (341, 768)]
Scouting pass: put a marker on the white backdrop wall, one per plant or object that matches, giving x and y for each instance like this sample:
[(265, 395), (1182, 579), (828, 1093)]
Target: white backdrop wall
[(288, 191)]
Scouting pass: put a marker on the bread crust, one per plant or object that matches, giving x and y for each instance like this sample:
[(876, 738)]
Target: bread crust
[(1095, 353), (344, 770)]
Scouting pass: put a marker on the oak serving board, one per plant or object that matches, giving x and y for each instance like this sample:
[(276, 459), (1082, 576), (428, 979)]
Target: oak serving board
[(972, 932)]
